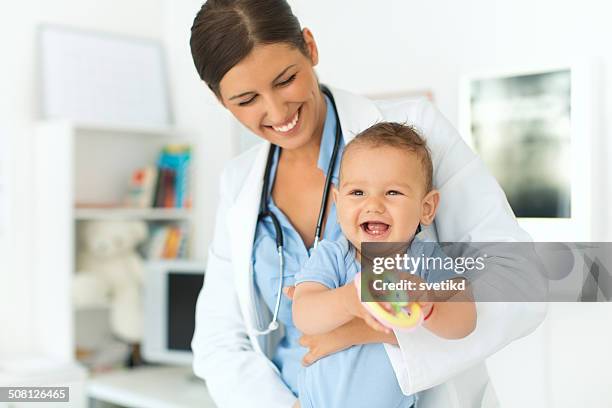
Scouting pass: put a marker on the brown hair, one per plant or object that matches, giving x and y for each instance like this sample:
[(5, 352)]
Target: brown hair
[(225, 31), (399, 136)]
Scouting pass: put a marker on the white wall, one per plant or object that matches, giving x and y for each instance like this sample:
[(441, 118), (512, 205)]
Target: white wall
[(397, 46), (18, 113), (408, 45), (194, 110), (197, 110), (412, 46)]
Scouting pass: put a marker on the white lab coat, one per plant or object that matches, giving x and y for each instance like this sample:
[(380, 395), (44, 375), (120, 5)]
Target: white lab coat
[(451, 373)]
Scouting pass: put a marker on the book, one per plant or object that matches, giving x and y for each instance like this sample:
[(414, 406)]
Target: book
[(165, 184), (141, 192), (167, 241), (173, 242), (164, 195), (176, 158)]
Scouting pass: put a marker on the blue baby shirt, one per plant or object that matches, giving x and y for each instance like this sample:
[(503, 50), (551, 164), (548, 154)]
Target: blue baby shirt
[(362, 375)]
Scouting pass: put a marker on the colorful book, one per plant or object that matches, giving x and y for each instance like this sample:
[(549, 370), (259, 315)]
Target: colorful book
[(177, 158), (167, 241), (141, 191)]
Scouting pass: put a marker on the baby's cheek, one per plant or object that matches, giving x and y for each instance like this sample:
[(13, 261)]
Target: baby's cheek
[(342, 215), (346, 225)]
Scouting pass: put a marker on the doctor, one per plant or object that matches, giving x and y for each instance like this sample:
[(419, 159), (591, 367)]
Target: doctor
[(259, 62)]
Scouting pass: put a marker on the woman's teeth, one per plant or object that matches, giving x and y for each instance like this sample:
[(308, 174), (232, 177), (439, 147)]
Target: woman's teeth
[(290, 125)]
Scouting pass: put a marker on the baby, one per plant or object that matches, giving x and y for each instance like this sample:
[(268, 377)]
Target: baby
[(384, 194)]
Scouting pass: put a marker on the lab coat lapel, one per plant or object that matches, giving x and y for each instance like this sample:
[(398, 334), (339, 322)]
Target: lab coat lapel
[(356, 113), (242, 221)]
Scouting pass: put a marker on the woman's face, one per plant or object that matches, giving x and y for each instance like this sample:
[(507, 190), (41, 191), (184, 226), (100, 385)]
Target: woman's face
[(274, 92)]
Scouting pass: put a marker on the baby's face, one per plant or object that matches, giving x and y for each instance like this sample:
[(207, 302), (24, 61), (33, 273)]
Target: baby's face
[(382, 195)]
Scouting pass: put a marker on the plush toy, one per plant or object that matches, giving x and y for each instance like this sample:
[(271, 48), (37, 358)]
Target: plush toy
[(110, 272)]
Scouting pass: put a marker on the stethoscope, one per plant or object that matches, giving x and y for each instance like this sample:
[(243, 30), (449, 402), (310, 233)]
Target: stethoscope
[(264, 211)]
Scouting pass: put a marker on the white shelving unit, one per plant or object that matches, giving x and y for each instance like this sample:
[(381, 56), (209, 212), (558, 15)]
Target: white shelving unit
[(82, 173), (147, 214)]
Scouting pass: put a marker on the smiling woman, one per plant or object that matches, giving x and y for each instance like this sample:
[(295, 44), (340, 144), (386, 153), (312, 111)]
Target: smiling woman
[(258, 61)]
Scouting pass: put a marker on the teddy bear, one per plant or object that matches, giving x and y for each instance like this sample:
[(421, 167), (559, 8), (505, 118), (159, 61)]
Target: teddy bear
[(110, 273)]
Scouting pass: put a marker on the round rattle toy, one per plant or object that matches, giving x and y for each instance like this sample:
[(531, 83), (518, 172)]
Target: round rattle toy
[(403, 316)]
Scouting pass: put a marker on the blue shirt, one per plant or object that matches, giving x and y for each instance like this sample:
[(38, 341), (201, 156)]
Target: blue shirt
[(289, 353), (362, 375)]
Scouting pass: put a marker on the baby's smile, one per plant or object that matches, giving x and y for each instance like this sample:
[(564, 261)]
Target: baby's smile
[(375, 229)]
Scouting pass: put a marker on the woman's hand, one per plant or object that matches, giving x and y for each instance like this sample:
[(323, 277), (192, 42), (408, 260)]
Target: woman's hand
[(289, 291), (352, 333), (297, 404), (321, 345)]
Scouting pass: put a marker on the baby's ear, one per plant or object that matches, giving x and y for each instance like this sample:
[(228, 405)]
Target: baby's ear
[(429, 205)]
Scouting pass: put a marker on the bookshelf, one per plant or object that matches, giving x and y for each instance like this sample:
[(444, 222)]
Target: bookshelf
[(82, 172)]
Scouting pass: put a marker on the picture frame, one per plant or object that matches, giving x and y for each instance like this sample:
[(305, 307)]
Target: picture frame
[(535, 129), (100, 78), (399, 95)]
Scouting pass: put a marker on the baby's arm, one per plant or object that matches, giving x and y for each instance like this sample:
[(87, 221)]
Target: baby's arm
[(318, 309)]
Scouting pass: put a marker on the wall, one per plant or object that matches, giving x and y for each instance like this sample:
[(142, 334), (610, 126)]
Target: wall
[(411, 46), (18, 113), (408, 45), (198, 111)]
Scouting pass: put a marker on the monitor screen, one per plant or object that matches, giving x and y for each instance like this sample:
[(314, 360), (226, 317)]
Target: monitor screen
[(183, 290)]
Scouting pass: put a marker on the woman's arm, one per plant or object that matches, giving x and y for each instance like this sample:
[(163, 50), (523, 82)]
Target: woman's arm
[(223, 354), (473, 208)]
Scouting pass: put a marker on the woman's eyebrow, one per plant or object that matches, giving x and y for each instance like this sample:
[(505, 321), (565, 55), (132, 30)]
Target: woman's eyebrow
[(283, 72), (274, 80), (241, 95)]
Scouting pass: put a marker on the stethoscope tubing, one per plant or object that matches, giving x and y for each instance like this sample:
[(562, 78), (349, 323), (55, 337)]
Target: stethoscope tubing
[(264, 210)]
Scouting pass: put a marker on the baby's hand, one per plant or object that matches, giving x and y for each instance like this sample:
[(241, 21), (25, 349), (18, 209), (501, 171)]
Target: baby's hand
[(374, 324)]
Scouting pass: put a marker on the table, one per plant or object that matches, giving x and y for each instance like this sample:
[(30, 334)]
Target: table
[(149, 387)]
